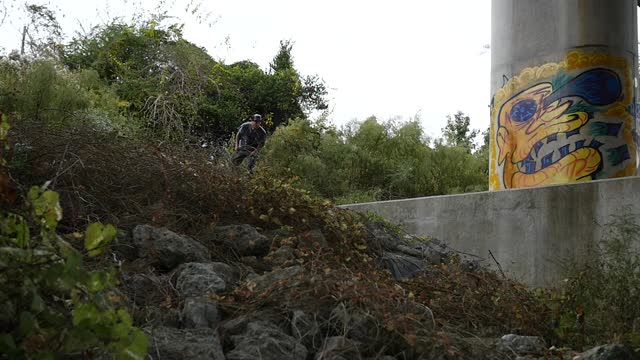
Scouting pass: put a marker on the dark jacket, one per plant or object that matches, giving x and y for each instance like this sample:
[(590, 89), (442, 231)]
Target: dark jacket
[(247, 136)]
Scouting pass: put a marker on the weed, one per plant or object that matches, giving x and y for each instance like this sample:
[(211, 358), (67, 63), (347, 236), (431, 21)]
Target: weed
[(600, 301)]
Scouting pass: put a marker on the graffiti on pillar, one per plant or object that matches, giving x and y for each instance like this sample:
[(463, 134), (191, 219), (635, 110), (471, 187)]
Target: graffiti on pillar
[(564, 122)]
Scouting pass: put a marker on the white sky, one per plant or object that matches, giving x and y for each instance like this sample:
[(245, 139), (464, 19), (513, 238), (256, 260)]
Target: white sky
[(383, 58)]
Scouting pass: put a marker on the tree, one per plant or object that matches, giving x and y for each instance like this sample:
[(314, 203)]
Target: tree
[(457, 132), (295, 96), (43, 34), (485, 140), (283, 61), (163, 78)]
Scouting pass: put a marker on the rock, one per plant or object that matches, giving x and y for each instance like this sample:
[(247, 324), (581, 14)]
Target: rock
[(244, 239), (413, 256), (312, 239), (361, 326), (523, 345), (177, 344), (165, 249), (263, 282), (229, 274), (262, 340), (282, 256), (201, 312), (412, 251), (198, 279), (406, 256), (425, 252), (402, 266), (239, 324), (124, 246), (255, 264), (277, 234), (380, 237), (159, 317), (608, 352), (304, 327), (480, 345), (436, 252), (432, 251), (145, 289), (338, 348)]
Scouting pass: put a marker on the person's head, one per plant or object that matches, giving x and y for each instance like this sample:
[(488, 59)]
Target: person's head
[(256, 119)]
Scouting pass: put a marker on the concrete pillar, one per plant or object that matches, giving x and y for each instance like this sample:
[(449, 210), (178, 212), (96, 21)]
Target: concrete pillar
[(563, 86)]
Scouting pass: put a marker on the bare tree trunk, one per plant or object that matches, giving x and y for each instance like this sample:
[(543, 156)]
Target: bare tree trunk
[(24, 34)]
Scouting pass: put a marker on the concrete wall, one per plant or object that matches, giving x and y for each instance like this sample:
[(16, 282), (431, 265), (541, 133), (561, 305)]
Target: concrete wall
[(531, 232)]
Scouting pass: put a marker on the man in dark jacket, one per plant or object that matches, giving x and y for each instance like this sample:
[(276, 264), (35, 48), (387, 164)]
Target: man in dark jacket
[(249, 140)]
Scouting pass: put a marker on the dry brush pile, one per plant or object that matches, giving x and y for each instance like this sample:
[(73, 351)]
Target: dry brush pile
[(192, 191)]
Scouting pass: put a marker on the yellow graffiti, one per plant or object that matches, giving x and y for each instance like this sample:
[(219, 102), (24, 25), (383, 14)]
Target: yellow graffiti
[(528, 112)]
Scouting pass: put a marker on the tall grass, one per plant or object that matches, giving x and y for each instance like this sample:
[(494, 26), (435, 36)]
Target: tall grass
[(601, 300)]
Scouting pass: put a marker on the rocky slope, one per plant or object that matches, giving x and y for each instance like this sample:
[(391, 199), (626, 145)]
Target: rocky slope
[(238, 292)]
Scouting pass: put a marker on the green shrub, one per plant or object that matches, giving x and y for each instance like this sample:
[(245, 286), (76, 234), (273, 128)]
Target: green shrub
[(43, 91), (601, 299), (371, 161), (356, 197)]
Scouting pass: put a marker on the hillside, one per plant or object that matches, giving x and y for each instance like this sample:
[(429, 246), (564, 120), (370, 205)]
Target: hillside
[(211, 262)]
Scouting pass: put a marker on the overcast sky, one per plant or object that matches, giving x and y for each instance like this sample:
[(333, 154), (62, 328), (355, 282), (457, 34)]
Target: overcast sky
[(382, 58)]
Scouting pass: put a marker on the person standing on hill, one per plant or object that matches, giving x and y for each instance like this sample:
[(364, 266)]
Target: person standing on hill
[(249, 140)]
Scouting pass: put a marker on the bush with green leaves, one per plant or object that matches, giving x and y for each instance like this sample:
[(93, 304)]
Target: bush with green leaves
[(177, 88), (45, 92), (50, 303), (372, 160)]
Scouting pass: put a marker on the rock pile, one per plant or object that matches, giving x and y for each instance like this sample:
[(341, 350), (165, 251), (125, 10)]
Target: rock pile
[(177, 284)]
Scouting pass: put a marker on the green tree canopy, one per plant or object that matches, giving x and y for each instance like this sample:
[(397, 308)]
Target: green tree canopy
[(458, 133), (176, 87)]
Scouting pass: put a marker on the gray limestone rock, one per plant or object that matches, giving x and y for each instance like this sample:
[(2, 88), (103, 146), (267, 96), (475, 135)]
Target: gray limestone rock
[(201, 312), (158, 317), (423, 250), (523, 344), (123, 245), (229, 274), (198, 279), (238, 325), (408, 255), (266, 280), (380, 237), (177, 344), (608, 352), (244, 239), (145, 289), (402, 266), (165, 249), (282, 255), (263, 340)]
